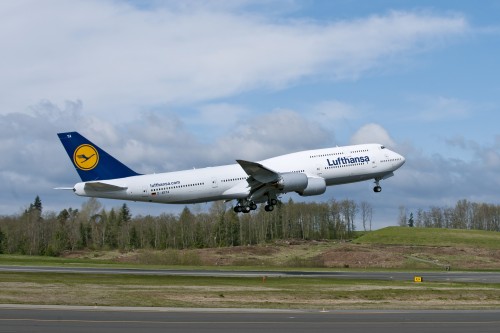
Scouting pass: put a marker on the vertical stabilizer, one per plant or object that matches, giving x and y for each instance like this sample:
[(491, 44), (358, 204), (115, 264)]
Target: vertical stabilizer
[(90, 161)]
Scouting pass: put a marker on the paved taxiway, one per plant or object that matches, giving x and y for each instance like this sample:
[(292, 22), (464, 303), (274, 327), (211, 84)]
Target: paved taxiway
[(111, 320), (482, 277)]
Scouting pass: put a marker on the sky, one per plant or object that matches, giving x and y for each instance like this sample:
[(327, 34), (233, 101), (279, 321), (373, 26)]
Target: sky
[(172, 85)]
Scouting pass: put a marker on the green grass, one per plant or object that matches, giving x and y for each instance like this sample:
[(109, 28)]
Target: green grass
[(240, 292), (431, 237), (25, 260), (153, 263)]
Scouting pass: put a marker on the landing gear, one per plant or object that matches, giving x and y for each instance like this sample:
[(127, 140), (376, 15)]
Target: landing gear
[(269, 208), (377, 187), (245, 206), (271, 202)]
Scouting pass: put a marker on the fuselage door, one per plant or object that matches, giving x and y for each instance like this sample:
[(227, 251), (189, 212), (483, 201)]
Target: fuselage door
[(214, 183), (319, 169), (144, 190)]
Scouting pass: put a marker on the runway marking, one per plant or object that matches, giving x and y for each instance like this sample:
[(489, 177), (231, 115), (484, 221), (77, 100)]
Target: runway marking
[(248, 322)]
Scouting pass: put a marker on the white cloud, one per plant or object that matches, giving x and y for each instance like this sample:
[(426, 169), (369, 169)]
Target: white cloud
[(434, 180), (212, 120), (118, 58), (274, 133), (372, 133)]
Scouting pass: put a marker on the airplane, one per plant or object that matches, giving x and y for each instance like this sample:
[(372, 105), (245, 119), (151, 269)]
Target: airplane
[(306, 172)]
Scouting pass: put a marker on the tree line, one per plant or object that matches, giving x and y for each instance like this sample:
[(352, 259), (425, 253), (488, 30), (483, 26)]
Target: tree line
[(36, 232), (464, 215)]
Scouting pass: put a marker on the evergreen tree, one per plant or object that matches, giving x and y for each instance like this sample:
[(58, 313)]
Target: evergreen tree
[(2, 242), (125, 215), (134, 238), (63, 216), (38, 204), (411, 223)]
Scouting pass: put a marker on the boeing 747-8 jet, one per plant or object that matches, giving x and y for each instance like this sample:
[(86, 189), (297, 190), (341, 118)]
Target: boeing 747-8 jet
[(307, 173)]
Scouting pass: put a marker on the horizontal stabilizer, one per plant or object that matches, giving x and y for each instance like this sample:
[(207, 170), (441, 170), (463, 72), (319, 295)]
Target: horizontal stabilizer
[(259, 172), (103, 187), (64, 188)]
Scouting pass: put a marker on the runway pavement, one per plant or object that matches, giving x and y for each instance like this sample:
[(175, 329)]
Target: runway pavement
[(481, 277), (127, 320)]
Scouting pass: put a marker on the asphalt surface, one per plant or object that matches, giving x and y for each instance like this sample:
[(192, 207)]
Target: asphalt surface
[(53, 319), (481, 277), (87, 319)]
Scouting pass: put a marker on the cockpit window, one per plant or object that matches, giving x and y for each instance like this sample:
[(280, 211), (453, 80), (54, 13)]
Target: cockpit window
[(382, 147)]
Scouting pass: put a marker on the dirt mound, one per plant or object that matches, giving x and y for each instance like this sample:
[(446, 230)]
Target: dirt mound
[(327, 254)]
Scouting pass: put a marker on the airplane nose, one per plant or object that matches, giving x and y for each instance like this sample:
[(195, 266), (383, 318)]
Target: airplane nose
[(402, 160)]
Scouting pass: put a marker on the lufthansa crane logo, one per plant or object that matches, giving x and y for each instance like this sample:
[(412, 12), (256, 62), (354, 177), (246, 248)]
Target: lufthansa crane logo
[(86, 157)]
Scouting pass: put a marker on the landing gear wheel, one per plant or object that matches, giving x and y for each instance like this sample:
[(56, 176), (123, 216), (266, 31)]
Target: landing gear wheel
[(273, 202), (253, 206), (377, 189), (269, 208), (237, 209)]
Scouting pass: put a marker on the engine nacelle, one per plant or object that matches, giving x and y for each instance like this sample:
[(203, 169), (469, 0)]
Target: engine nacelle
[(292, 182), (315, 186)]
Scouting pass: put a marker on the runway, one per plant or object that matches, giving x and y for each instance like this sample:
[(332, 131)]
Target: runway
[(481, 277), (110, 320)]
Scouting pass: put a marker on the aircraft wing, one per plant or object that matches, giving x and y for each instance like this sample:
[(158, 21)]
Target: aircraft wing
[(262, 180), (103, 187), (259, 172)]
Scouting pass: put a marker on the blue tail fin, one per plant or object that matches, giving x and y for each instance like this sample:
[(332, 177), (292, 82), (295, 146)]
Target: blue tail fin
[(91, 162)]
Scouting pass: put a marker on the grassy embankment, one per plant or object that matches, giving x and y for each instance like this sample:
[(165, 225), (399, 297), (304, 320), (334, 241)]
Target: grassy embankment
[(432, 237), (422, 248)]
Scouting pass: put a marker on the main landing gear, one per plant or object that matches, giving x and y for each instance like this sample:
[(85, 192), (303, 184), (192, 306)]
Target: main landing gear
[(245, 206), (377, 187), (270, 205)]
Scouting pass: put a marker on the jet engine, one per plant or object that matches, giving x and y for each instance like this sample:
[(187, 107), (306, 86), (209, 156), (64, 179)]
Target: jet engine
[(315, 186), (292, 182)]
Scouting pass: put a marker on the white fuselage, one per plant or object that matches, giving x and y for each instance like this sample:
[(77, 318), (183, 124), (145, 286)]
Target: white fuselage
[(338, 165)]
